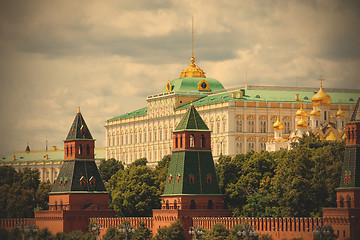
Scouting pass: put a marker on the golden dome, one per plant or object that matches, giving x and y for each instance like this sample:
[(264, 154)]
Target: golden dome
[(340, 113), (278, 125), (301, 112), (314, 113), (321, 97), (301, 123), (193, 71)]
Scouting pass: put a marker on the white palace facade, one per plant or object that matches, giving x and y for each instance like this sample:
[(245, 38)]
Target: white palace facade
[(241, 119)]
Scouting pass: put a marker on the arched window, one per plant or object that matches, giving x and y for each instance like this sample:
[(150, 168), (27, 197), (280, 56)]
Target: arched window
[(209, 179), (238, 126), (80, 149), (88, 149), (263, 126), (341, 201), (170, 177), (167, 204), (176, 141), (210, 204), (251, 126), (71, 150), (192, 140), (175, 204), (348, 201), (67, 151), (192, 204)]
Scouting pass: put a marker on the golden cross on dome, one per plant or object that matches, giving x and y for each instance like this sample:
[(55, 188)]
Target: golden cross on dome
[(321, 80)]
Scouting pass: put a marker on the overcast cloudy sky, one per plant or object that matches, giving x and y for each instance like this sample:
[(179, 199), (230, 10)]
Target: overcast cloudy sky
[(107, 56)]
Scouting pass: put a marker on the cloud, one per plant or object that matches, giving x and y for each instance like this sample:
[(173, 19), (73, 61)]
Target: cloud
[(107, 56)]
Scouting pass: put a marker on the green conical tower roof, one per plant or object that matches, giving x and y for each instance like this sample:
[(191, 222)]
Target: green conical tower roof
[(79, 176), (192, 121), (79, 129)]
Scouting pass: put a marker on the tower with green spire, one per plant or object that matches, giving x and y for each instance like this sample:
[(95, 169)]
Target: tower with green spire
[(78, 192), (191, 188), (345, 219)]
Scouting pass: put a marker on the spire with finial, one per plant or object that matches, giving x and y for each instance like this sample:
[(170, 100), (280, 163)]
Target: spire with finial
[(27, 148), (79, 110), (192, 71)]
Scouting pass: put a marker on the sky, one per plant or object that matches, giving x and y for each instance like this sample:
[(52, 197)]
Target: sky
[(107, 56)]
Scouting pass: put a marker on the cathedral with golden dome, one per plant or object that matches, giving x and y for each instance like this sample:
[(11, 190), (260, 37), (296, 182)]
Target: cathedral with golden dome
[(323, 122)]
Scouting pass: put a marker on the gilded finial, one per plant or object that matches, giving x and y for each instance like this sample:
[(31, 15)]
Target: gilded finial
[(193, 70), (78, 110), (321, 81)]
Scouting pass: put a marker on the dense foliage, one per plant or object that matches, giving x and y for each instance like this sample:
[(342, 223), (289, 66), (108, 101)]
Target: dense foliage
[(174, 232), (136, 190), (109, 167), (294, 183), (140, 232), (21, 192)]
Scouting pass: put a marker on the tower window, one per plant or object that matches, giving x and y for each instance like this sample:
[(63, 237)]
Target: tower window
[(180, 141), (88, 149), (209, 179), (192, 140), (203, 140), (192, 204), (71, 150), (170, 177), (176, 141), (67, 151), (80, 149), (191, 179), (210, 204)]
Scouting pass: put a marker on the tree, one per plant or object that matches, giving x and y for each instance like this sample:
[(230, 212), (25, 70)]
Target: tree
[(109, 167), (43, 234), (161, 171), (141, 232), (217, 232), (139, 162), (112, 233), (174, 232), (134, 191), (42, 196)]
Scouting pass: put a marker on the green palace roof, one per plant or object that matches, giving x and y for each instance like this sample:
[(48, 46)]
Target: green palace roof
[(37, 156), (266, 94), (191, 84)]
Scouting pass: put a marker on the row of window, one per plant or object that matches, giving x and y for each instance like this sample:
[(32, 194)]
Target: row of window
[(263, 126), (70, 150), (210, 204), (140, 137)]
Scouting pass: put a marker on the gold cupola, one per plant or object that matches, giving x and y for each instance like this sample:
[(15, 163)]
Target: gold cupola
[(314, 113), (340, 113), (278, 125), (301, 123), (321, 98), (301, 112), (193, 71)]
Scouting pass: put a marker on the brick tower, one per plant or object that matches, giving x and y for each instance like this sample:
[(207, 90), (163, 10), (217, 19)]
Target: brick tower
[(191, 188), (78, 192), (348, 194)]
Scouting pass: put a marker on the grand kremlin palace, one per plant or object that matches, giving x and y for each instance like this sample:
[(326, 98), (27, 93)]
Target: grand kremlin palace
[(241, 119)]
